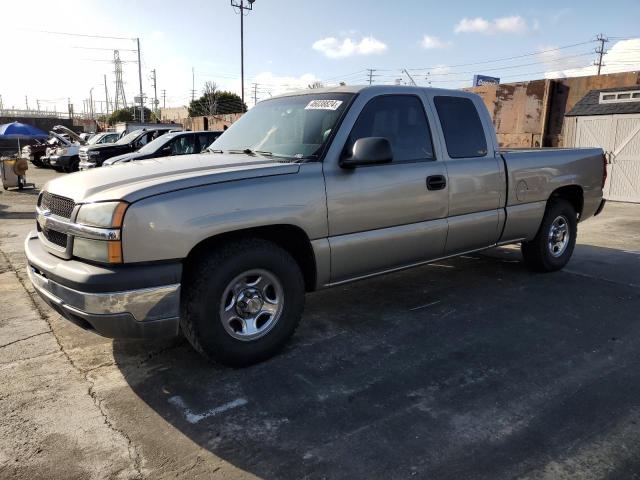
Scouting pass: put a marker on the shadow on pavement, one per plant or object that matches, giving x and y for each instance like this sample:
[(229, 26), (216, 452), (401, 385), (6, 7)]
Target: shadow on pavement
[(469, 368)]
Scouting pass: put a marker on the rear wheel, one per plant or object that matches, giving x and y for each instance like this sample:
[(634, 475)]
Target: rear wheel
[(552, 247), (242, 302)]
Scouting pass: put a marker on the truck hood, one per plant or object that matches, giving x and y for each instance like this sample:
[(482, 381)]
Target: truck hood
[(125, 157), (136, 180)]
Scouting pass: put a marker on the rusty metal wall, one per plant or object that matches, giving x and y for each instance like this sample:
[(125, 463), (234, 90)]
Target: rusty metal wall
[(518, 109)]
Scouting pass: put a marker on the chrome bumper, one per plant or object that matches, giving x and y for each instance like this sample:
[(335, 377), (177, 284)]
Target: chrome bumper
[(84, 165), (143, 305)]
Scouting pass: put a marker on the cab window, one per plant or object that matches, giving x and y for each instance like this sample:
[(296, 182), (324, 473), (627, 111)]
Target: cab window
[(401, 119)]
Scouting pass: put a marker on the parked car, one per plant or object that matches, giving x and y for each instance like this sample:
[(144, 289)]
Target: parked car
[(65, 157), (38, 149), (103, 138), (92, 156), (306, 191), (170, 144)]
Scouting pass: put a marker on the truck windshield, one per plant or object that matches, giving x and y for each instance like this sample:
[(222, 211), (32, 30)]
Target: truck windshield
[(129, 137), (296, 127)]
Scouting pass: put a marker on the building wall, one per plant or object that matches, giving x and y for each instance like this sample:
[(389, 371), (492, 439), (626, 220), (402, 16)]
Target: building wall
[(175, 114), (212, 123), (531, 114)]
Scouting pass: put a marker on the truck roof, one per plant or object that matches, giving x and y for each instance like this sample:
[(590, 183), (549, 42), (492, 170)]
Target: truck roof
[(381, 89)]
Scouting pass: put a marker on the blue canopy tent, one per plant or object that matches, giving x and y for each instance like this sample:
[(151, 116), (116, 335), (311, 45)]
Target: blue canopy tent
[(13, 170), (21, 131)]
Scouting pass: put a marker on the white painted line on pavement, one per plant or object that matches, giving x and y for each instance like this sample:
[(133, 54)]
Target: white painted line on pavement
[(191, 417), (424, 306)]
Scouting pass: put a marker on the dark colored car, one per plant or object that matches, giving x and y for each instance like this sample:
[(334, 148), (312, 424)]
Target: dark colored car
[(170, 144), (92, 156)]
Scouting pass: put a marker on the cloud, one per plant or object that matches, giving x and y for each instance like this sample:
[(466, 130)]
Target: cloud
[(433, 43), (621, 57), (511, 24), (332, 47)]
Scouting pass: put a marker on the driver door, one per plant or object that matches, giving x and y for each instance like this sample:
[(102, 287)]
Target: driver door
[(383, 217)]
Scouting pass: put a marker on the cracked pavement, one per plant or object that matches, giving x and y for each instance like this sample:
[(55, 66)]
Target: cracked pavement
[(472, 368)]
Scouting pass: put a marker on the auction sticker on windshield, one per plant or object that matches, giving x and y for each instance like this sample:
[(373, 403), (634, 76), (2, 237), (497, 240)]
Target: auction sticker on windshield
[(323, 105)]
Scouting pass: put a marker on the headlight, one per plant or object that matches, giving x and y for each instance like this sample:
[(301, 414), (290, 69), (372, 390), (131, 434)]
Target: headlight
[(62, 151), (98, 250), (102, 214)]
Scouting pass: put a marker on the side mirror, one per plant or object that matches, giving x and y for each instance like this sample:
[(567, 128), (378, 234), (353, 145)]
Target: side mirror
[(369, 151)]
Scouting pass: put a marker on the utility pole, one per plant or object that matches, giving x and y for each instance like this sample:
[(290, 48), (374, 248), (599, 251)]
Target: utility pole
[(193, 84), (38, 104), (106, 94), (600, 50), (1, 104), (255, 94), (91, 111), (371, 75), (164, 99), (140, 79), (242, 7), (26, 102), (155, 94)]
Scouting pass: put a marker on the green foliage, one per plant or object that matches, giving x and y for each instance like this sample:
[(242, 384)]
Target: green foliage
[(216, 103), (129, 114)]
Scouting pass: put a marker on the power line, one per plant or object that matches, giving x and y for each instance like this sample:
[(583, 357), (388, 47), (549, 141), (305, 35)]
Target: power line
[(78, 34), (531, 54)]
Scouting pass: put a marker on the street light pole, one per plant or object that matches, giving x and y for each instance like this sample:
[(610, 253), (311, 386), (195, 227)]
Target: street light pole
[(242, 8)]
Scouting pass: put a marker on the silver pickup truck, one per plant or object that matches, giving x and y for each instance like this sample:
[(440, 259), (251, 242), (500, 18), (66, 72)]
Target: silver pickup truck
[(306, 191)]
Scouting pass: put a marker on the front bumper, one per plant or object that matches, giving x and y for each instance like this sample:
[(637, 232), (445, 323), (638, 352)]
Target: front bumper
[(86, 165), (60, 161), (112, 301)]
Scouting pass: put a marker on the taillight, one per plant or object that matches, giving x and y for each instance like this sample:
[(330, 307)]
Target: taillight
[(604, 169)]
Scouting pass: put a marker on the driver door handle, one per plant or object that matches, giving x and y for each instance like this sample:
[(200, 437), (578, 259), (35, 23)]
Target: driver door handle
[(436, 182)]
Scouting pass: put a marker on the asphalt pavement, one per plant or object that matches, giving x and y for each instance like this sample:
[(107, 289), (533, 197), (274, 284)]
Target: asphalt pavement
[(470, 368)]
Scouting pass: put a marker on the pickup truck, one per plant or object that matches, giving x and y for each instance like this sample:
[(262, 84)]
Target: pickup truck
[(306, 191)]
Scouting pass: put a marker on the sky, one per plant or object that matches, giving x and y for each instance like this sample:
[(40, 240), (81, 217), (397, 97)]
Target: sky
[(291, 44)]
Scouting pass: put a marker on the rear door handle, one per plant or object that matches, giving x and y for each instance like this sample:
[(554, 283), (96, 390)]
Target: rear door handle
[(436, 182)]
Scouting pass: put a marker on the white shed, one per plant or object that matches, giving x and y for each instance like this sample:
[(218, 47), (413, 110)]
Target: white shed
[(610, 119)]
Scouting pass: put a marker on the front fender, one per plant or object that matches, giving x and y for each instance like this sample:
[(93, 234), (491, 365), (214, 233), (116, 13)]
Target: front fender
[(169, 225)]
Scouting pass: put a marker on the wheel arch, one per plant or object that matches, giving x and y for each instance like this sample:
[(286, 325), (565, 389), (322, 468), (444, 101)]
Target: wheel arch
[(574, 194), (291, 238)]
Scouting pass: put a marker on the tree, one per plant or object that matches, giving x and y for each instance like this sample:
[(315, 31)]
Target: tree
[(216, 102), (129, 114), (316, 84)]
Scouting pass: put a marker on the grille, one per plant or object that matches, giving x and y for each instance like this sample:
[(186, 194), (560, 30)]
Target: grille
[(57, 205), (83, 155), (56, 238)]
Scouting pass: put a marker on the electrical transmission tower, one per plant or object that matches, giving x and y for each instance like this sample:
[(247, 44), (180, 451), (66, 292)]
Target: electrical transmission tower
[(600, 51), (120, 99)]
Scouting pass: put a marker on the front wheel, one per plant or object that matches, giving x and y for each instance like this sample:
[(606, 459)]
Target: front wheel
[(242, 302), (552, 247)]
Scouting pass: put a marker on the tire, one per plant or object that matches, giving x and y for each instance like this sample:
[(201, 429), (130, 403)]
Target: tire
[(37, 163), (543, 254), (219, 283), (74, 165)]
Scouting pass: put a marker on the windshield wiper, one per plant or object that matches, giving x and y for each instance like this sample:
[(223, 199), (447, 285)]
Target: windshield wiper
[(248, 151), (213, 150)]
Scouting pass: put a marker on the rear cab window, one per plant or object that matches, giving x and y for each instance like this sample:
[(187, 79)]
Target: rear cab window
[(463, 132)]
